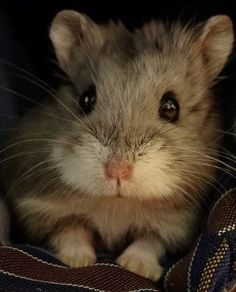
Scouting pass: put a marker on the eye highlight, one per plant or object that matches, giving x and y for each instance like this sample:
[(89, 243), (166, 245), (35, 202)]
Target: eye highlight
[(87, 100), (169, 107)]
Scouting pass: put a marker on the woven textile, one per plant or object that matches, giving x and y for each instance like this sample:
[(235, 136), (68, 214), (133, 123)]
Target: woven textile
[(210, 266), (30, 269)]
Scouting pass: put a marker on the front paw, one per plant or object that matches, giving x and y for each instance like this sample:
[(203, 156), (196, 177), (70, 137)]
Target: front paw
[(74, 247), (76, 257), (141, 262)]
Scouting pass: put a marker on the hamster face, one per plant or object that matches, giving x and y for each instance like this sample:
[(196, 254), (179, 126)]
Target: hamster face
[(125, 126), (143, 115)]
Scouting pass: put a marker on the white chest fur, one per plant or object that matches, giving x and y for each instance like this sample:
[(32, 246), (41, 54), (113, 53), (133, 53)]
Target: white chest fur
[(113, 217)]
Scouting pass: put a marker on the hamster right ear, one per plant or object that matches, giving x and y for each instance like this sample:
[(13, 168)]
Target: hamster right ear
[(215, 43), (73, 33)]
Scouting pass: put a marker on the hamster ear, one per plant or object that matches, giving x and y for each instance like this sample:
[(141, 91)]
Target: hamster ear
[(215, 43), (72, 32)]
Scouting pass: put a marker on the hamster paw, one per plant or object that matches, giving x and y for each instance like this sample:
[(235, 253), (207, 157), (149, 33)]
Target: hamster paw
[(141, 263), (77, 257), (73, 247)]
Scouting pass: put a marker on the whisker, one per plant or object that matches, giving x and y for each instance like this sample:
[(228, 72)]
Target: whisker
[(20, 69), (202, 176), (31, 173), (34, 140), (228, 131), (214, 159), (193, 200), (21, 95), (51, 91), (219, 154), (203, 154)]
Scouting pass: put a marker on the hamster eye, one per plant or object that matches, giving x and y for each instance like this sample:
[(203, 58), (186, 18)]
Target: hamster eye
[(87, 100), (169, 107)]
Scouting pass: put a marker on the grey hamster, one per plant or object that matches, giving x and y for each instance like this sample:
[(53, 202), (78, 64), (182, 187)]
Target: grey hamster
[(123, 155)]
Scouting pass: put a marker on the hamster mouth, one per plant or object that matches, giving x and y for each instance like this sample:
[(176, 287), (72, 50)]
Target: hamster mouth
[(118, 183), (118, 193)]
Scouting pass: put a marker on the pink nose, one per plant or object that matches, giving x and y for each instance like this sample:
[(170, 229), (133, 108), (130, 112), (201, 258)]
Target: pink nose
[(118, 170)]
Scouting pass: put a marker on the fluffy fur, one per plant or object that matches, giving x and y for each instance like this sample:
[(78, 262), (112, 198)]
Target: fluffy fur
[(56, 178)]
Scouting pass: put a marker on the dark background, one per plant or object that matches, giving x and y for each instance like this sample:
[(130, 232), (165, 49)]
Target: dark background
[(30, 19), (28, 46)]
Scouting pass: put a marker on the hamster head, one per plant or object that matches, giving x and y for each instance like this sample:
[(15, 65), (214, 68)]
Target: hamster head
[(142, 114)]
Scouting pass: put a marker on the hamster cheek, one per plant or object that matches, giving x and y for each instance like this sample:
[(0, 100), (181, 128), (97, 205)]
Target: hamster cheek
[(83, 168), (153, 173)]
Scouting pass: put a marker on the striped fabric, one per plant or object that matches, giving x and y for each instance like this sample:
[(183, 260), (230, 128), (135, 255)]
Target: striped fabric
[(210, 266)]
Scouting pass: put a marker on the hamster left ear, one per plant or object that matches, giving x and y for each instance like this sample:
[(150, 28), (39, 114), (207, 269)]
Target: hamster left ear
[(72, 34), (215, 43)]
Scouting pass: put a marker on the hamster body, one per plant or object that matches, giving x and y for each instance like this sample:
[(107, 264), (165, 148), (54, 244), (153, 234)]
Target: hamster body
[(128, 148)]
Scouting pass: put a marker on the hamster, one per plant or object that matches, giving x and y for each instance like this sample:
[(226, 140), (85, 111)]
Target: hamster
[(121, 157)]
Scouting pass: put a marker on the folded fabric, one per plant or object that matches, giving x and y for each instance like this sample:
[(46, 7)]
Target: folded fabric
[(27, 268), (210, 266)]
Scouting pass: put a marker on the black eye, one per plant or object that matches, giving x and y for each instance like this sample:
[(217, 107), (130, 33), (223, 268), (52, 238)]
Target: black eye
[(169, 107), (87, 100)]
